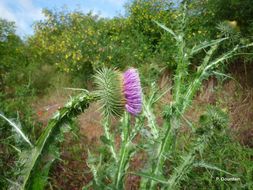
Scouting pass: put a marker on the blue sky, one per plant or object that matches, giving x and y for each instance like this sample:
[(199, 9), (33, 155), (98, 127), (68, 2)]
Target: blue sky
[(25, 12)]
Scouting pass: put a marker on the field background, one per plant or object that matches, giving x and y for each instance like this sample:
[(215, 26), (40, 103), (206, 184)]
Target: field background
[(40, 73)]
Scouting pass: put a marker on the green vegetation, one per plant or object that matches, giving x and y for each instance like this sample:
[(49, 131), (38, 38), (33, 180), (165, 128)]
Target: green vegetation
[(178, 50)]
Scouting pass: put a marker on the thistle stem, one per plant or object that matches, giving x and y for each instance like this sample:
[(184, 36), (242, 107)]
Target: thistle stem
[(168, 143), (123, 154), (123, 150), (109, 137), (163, 147)]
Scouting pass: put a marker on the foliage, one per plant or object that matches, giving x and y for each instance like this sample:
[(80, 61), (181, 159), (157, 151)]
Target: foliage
[(35, 162), (11, 55), (15, 93), (210, 19), (183, 93), (75, 45), (78, 43)]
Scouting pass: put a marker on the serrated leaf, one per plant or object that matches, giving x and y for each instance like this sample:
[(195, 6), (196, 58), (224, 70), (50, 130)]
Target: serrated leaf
[(17, 129), (204, 45), (212, 167), (168, 30), (158, 179)]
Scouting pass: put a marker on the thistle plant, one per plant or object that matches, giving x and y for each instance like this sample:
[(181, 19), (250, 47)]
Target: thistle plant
[(120, 96), (212, 122), (183, 94)]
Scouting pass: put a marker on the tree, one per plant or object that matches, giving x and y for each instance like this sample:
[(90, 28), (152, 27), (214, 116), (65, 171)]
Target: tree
[(11, 51)]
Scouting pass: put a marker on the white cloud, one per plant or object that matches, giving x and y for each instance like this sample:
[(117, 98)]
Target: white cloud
[(22, 12)]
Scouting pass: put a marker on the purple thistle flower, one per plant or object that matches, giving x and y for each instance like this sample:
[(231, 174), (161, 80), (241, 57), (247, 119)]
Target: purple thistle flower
[(132, 91)]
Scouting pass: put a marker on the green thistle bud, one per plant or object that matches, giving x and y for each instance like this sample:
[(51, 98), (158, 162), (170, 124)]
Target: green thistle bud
[(110, 91)]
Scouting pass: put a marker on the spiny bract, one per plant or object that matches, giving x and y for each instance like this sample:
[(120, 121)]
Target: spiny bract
[(109, 91)]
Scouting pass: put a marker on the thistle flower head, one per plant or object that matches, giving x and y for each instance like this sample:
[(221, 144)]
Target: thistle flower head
[(132, 91), (117, 91)]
